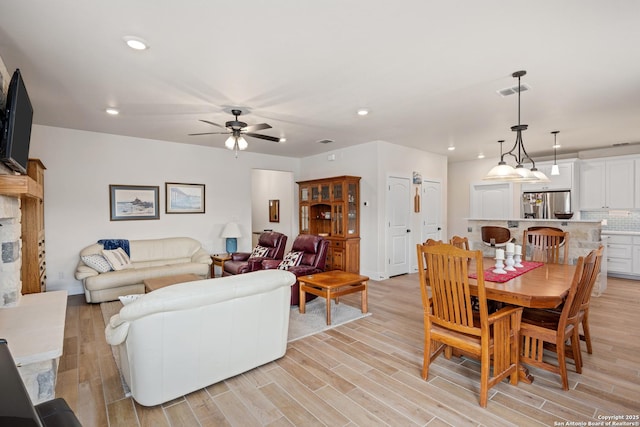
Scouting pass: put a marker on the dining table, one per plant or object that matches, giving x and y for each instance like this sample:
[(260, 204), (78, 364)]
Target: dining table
[(545, 286)]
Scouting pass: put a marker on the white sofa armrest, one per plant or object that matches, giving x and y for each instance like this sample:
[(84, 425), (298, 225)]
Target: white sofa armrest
[(83, 271), (201, 257)]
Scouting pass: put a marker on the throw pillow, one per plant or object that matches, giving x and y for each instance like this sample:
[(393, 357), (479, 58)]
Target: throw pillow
[(97, 262), (291, 259), (118, 259), (259, 251)]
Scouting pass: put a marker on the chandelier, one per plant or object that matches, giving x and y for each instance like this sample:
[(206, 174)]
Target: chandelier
[(519, 173)]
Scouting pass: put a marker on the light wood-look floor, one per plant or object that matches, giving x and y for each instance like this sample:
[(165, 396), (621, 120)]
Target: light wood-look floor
[(368, 373)]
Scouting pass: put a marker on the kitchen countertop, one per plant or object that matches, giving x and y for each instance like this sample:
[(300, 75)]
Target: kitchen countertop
[(620, 233), (535, 220)]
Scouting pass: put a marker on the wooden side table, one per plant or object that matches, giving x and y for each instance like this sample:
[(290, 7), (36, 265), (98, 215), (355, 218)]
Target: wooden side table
[(332, 284), (219, 259)]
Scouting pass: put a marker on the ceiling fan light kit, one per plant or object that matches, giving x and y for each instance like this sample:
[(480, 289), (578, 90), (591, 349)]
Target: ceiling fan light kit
[(505, 172)]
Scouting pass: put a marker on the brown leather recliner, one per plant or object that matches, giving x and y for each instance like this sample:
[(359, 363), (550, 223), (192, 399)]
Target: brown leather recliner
[(314, 258), (241, 263)]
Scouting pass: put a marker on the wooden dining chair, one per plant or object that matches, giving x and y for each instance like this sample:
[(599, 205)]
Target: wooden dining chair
[(460, 242), (545, 245), (584, 307), (542, 329), (450, 322), (430, 242)]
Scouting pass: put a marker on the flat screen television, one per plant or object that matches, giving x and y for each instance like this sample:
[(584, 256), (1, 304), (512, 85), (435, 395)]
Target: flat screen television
[(16, 132)]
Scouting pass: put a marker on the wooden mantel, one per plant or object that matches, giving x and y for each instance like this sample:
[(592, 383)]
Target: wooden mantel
[(19, 186)]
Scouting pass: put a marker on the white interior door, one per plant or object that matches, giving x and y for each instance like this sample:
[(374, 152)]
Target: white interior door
[(398, 220), (431, 208)]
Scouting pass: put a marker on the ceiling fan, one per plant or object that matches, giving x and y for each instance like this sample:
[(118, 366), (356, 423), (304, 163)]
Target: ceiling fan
[(236, 131)]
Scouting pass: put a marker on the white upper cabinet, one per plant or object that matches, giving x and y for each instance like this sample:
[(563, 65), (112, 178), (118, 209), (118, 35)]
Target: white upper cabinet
[(607, 184), (564, 181)]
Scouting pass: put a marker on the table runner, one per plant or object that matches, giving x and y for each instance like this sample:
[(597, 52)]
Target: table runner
[(490, 276)]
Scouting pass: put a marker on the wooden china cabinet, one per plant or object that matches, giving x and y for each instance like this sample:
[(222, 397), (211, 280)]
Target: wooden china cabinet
[(331, 207)]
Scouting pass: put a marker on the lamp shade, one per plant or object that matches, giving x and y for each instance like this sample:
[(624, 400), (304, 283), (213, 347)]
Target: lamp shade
[(555, 170), (231, 230), (502, 172)]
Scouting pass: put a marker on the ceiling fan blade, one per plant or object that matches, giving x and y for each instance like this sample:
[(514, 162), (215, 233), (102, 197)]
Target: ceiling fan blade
[(211, 123), (210, 133), (267, 137), (260, 126)]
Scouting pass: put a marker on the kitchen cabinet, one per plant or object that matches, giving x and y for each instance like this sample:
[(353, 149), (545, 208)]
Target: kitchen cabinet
[(331, 207), (563, 181), (623, 254), (607, 184)]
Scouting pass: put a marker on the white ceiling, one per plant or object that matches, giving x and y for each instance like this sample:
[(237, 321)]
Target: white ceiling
[(428, 71)]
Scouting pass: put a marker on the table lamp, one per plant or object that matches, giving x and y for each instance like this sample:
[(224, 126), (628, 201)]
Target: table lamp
[(231, 232)]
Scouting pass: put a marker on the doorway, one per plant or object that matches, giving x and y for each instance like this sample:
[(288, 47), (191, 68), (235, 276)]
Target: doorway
[(431, 204), (398, 224)]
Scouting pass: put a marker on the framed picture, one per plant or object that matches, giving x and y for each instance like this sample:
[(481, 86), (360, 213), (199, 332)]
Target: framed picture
[(274, 210), (184, 198), (131, 202)]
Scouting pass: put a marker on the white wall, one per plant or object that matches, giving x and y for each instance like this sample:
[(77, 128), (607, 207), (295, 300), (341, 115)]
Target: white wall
[(268, 185), (374, 162), (81, 165)]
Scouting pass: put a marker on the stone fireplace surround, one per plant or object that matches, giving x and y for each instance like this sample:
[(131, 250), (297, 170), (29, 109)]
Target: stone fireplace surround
[(32, 324)]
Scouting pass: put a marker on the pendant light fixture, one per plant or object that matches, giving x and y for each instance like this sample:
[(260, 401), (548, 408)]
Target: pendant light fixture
[(505, 172), (555, 170)]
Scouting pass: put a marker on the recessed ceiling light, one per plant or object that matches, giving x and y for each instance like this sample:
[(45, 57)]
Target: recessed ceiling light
[(283, 139), (451, 148), (481, 156), (112, 111), (363, 112), (136, 43)]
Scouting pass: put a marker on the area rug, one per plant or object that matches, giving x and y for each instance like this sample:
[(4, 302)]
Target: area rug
[(314, 319), (109, 309)]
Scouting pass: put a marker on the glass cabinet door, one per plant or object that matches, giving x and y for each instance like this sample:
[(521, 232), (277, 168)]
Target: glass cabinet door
[(304, 219), (352, 209), (337, 191), (304, 194), (325, 194), (315, 193), (337, 220)]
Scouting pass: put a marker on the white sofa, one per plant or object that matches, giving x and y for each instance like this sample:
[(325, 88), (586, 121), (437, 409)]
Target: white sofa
[(184, 337), (149, 258)]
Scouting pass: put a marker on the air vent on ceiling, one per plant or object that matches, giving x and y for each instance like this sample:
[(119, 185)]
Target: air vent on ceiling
[(325, 141), (513, 90)]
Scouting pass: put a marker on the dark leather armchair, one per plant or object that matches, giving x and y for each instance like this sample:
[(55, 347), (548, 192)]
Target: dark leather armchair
[(241, 263), (314, 258)]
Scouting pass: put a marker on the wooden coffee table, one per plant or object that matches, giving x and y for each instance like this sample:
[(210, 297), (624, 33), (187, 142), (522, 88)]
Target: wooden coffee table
[(333, 284), (160, 282)]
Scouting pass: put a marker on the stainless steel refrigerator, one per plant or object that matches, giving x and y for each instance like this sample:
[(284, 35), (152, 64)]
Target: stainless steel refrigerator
[(546, 204)]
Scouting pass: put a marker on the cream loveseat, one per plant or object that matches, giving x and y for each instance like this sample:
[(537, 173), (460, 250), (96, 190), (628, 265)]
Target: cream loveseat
[(184, 337), (149, 258)]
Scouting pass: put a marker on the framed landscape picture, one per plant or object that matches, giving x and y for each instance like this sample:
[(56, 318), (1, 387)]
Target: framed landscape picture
[(132, 202), (184, 198)]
